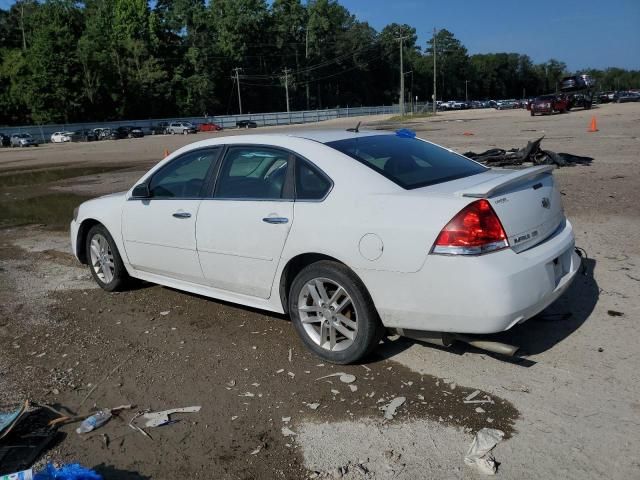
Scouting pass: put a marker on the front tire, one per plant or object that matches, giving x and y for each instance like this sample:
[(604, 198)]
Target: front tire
[(333, 313), (104, 259)]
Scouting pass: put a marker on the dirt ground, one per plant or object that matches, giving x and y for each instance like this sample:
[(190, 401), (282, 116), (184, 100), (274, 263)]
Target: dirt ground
[(569, 405)]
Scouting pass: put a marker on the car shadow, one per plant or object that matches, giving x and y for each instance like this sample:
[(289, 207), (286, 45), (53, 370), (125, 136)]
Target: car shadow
[(109, 472), (537, 335)]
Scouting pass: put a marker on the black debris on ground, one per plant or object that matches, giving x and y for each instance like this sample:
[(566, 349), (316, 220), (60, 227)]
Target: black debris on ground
[(532, 153)]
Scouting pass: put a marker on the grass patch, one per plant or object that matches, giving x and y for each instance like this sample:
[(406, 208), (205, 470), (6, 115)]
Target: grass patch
[(36, 177), (406, 118), (54, 210)]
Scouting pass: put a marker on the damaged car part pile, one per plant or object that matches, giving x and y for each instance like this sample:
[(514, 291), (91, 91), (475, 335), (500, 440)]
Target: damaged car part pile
[(532, 153)]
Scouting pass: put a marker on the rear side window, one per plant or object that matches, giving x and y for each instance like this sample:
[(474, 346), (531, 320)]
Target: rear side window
[(408, 162), (253, 173), (310, 183)]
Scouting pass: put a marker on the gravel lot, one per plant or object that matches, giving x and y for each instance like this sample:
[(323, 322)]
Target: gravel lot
[(570, 406)]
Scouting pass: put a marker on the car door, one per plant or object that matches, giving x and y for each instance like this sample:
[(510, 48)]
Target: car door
[(242, 230), (159, 231)]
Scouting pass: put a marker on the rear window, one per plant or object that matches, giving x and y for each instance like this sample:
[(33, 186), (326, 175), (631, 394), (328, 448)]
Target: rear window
[(408, 162)]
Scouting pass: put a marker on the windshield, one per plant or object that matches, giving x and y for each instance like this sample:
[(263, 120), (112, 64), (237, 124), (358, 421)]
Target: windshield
[(408, 162)]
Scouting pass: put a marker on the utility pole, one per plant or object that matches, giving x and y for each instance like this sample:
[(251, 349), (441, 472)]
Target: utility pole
[(306, 62), (286, 85), (236, 70), (433, 46), (24, 38), (401, 40), (466, 92)]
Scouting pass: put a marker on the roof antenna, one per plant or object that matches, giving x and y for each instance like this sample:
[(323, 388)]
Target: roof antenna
[(355, 130)]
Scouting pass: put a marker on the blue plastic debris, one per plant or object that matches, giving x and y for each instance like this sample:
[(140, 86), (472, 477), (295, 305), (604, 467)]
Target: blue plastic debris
[(73, 471), (405, 133)]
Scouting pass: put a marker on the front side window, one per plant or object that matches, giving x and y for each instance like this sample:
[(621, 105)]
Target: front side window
[(185, 176), (406, 161), (257, 173)]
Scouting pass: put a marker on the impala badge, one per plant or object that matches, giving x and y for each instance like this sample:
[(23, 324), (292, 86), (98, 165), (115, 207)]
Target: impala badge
[(546, 203)]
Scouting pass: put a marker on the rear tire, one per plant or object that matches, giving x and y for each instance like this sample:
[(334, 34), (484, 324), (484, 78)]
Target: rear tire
[(333, 313), (104, 260)]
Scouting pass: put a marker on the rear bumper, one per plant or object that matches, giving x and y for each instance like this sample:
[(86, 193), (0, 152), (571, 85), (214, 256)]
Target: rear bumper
[(484, 294)]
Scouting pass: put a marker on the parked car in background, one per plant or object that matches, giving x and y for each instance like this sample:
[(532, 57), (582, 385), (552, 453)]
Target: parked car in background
[(160, 128), (506, 104), (605, 97), (584, 100), (626, 97), (23, 140), (5, 140), (106, 133), (548, 104), (61, 137), (84, 135), (126, 131), (209, 127), (246, 124), (576, 82), (472, 235), (183, 128), (99, 133)]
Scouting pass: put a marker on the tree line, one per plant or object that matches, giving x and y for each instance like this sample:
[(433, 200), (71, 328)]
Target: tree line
[(66, 61)]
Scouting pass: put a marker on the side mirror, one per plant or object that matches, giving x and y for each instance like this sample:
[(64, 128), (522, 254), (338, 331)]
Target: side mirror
[(141, 191)]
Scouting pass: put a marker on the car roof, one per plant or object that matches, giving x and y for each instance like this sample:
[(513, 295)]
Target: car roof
[(332, 135)]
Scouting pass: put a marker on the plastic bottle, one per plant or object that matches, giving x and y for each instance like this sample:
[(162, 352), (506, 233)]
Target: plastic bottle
[(94, 421)]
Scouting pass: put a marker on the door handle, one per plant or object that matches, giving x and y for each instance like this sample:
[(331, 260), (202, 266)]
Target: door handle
[(182, 215), (275, 220)]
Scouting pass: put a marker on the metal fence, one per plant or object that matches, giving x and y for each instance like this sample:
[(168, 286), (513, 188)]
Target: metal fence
[(43, 132)]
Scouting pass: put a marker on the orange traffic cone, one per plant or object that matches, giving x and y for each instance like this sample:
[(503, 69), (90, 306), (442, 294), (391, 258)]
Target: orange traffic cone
[(593, 127), (166, 152)]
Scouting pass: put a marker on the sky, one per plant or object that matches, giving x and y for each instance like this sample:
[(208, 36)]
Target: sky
[(583, 34)]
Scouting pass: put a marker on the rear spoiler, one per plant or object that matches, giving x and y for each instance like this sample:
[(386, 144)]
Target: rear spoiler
[(488, 188)]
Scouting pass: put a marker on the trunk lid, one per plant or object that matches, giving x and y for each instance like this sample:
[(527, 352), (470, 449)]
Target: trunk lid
[(527, 202)]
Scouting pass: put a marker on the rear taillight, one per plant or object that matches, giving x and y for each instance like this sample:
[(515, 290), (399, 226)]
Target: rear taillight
[(476, 229)]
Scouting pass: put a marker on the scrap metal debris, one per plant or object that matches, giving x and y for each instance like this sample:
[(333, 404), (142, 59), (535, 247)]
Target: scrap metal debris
[(26, 434), (157, 419), (532, 153), (471, 398), (479, 454)]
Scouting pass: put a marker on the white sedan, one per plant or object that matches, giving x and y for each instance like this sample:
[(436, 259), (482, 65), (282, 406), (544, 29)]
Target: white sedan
[(348, 232), (60, 137)]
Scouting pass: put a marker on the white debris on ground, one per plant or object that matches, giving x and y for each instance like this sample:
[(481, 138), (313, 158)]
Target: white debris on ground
[(344, 377), (390, 408), (287, 432), (479, 454), (384, 451)]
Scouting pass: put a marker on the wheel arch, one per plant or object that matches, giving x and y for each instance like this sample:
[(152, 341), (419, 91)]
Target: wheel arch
[(81, 239), (295, 266)]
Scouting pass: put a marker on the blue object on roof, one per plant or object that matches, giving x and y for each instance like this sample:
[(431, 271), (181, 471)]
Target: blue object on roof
[(73, 471), (405, 133)]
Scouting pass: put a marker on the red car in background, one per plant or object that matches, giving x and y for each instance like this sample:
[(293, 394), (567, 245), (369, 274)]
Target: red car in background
[(548, 104), (209, 127)]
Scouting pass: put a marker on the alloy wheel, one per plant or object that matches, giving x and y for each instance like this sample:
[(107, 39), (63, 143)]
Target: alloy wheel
[(102, 259), (328, 314)]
